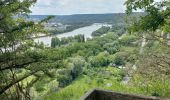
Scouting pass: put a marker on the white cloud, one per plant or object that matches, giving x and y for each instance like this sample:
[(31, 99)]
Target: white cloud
[(44, 3), (58, 7)]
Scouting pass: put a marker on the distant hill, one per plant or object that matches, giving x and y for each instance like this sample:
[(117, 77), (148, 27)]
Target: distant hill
[(86, 18)]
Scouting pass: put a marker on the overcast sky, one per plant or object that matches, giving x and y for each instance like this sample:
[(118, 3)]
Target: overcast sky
[(67, 7)]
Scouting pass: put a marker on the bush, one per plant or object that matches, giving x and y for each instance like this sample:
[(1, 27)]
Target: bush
[(112, 47), (101, 31), (71, 72), (119, 58), (128, 40), (100, 60)]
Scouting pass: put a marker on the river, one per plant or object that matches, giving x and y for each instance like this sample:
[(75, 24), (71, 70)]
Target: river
[(87, 31)]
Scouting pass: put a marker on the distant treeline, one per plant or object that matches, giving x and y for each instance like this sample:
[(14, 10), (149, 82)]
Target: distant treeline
[(119, 29), (112, 18), (101, 31), (70, 28)]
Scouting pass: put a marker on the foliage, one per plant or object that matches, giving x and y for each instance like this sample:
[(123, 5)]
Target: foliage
[(156, 13), (149, 69), (72, 26), (112, 47), (100, 78), (101, 31), (128, 40), (72, 71), (106, 78), (56, 42), (85, 19), (19, 55), (119, 58), (73, 64), (153, 64), (100, 60)]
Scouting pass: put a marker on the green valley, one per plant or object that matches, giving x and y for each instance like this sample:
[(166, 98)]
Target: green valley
[(127, 52)]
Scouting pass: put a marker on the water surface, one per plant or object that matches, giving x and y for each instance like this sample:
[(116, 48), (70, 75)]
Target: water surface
[(87, 31)]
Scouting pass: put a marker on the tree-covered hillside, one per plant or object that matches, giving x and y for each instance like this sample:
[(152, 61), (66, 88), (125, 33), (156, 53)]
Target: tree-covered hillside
[(87, 18), (131, 57)]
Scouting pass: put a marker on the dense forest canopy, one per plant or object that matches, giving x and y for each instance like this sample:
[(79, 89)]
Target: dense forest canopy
[(131, 57)]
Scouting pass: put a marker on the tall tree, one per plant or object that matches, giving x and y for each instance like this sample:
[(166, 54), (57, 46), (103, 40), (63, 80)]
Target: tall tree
[(53, 42), (17, 53)]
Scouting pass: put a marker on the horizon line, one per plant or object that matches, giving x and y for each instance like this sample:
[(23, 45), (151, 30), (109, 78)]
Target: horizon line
[(83, 14)]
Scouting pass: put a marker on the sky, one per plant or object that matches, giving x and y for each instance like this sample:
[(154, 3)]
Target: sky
[(68, 7)]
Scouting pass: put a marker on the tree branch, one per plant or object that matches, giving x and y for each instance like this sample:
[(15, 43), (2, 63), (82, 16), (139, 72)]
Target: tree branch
[(17, 66), (15, 82)]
